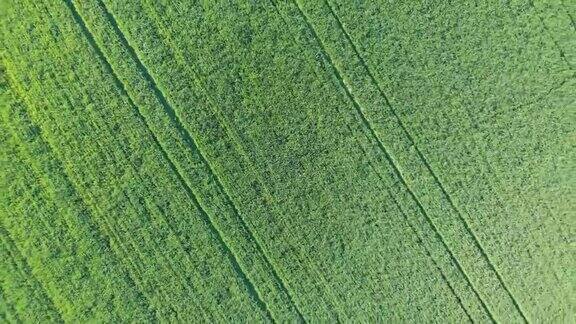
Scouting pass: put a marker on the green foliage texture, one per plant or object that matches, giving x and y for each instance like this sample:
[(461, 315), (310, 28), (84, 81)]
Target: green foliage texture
[(288, 161)]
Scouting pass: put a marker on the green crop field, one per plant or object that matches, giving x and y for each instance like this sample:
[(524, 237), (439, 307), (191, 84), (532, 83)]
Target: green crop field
[(288, 161)]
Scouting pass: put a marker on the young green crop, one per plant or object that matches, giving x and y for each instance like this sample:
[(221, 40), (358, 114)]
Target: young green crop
[(287, 161)]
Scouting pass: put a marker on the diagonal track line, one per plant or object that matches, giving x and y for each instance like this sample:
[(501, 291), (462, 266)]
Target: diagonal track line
[(413, 229), (427, 252), (123, 90), (170, 111), (136, 208), (570, 15), (568, 12), (475, 124), (397, 170), (148, 214), (425, 161)]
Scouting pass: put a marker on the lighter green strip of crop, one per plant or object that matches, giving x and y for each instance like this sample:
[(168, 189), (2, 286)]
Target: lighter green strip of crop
[(8, 313), (15, 132), (58, 165), (114, 235), (132, 203), (19, 263), (167, 262), (168, 223), (28, 270), (13, 212), (110, 229), (156, 251), (37, 171)]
